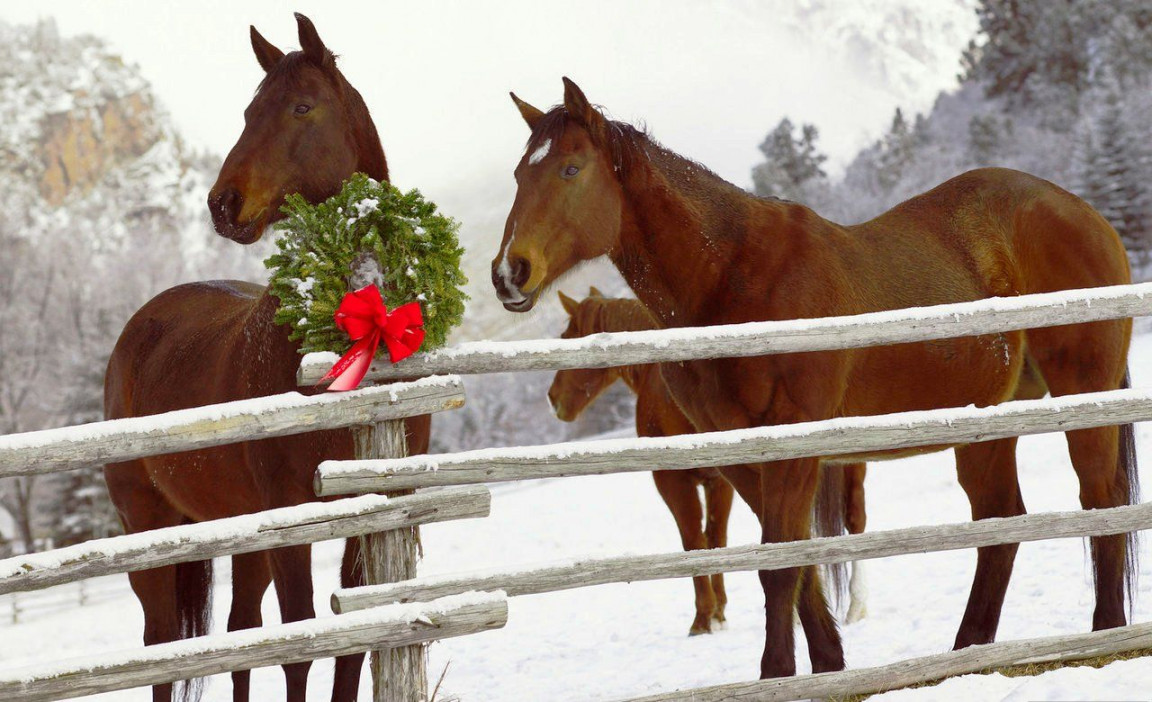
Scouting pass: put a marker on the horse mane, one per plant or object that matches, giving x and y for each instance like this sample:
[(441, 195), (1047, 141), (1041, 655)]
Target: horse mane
[(628, 145), (619, 314), (289, 71)]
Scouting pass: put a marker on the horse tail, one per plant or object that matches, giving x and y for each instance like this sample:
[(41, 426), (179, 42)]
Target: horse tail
[(194, 614), (828, 520), (1127, 487)]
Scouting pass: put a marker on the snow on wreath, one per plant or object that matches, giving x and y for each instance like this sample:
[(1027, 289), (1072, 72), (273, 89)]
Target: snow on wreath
[(371, 243)]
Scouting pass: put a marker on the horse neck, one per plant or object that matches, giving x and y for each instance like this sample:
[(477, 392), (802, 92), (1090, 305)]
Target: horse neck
[(681, 230), (621, 315), (370, 151)]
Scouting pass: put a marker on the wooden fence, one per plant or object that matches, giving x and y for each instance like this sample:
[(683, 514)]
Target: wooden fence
[(399, 611), (376, 415), (845, 436)]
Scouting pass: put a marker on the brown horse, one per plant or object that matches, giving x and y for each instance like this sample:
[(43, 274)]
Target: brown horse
[(698, 251), (306, 131), (840, 501)]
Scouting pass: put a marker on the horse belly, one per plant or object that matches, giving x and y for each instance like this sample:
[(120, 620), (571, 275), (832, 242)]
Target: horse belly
[(980, 371)]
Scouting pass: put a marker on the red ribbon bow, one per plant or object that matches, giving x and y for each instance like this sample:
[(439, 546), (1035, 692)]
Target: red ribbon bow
[(364, 317)]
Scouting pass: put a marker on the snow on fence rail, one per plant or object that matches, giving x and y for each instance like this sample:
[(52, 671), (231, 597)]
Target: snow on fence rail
[(381, 627), (683, 564), (974, 659), (763, 338), (302, 524), (855, 436), (114, 440)]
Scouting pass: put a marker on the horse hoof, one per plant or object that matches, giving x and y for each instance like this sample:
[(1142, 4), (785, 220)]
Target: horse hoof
[(699, 628)]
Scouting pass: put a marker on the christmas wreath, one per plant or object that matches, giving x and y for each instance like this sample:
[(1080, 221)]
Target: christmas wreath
[(371, 261)]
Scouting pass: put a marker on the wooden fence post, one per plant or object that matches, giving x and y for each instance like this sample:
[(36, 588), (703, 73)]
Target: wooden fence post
[(398, 674)]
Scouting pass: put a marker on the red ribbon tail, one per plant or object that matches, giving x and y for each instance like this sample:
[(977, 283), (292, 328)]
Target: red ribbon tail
[(352, 366)]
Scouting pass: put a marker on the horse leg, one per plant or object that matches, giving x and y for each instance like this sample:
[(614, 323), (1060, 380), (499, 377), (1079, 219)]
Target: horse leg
[(678, 488), (292, 572), (251, 575), (142, 508), (987, 472), (346, 681), (746, 481), (788, 489), (856, 518), (1091, 358), (1094, 455), (718, 495)]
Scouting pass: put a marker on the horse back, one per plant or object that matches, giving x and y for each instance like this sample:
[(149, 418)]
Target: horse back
[(180, 348)]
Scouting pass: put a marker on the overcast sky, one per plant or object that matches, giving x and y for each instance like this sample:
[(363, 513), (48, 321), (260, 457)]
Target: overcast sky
[(709, 79)]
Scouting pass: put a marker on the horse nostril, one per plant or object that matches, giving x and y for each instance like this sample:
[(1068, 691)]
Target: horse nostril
[(521, 271), (225, 205)]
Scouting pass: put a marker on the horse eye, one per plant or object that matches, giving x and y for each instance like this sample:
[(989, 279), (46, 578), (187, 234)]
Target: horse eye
[(302, 109), (571, 171)]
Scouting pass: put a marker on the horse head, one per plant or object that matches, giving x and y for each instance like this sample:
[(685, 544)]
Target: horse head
[(306, 131), (574, 389), (569, 199)]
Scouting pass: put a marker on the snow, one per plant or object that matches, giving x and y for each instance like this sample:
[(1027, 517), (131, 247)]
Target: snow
[(618, 641)]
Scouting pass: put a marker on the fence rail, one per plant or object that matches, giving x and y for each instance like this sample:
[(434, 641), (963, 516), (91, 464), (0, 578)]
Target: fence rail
[(763, 338), (684, 564), (302, 524), (53, 450), (854, 436), (382, 627), (974, 659)]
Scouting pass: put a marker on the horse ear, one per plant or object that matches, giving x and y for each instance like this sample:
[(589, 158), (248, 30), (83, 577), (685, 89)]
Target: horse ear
[(267, 54), (578, 106), (311, 43), (595, 292), (530, 114), (568, 303)]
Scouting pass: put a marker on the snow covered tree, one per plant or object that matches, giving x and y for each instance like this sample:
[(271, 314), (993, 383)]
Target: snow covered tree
[(1114, 174), (790, 163), (896, 152), (1026, 43)]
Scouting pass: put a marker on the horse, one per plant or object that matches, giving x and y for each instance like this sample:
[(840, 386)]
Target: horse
[(839, 503), (698, 250), (306, 130)]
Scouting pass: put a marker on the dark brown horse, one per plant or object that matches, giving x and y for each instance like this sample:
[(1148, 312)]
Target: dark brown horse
[(306, 131), (698, 251), (839, 502)]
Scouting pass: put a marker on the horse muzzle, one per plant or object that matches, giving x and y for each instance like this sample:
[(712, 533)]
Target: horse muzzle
[(225, 207), (507, 279)]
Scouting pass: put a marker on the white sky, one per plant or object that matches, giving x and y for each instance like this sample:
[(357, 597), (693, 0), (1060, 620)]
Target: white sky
[(709, 79)]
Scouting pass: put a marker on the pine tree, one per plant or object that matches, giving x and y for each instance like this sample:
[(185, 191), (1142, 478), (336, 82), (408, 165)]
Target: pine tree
[(1113, 176), (896, 151), (1028, 44), (790, 162)]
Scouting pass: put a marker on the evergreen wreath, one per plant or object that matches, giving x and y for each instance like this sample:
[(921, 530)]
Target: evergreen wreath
[(369, 233)]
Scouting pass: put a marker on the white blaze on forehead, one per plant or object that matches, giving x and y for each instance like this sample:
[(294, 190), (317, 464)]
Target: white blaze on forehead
[(539, 154)]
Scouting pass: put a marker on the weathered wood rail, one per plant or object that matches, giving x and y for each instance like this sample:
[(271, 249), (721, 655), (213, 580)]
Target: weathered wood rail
[(974, 659), (764, 338), (302, 524), (854, 436), (382, 627), (683, 564), (53, 450)]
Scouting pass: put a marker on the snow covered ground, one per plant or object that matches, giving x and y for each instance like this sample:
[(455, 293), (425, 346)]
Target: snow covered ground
[(620, 641)]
